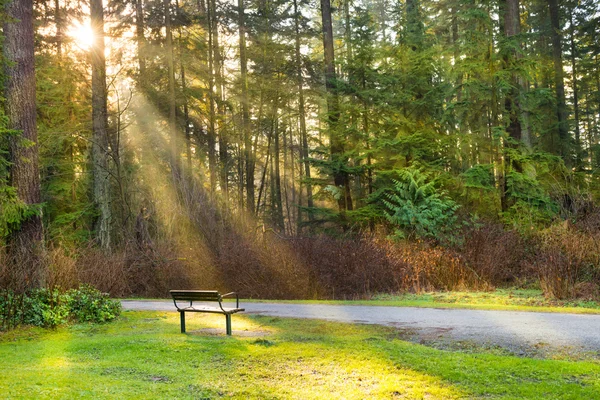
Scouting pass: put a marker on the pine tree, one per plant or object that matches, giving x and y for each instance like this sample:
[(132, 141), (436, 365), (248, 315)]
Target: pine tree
[(26, 239)]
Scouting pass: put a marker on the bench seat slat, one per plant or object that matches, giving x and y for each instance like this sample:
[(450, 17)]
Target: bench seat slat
[(211, 310)]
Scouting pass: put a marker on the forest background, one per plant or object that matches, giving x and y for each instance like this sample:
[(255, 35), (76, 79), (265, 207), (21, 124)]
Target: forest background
[(301, 149)]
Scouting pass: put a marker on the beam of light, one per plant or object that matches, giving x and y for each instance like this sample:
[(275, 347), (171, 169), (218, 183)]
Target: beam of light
[(144, 137), (205, 229)]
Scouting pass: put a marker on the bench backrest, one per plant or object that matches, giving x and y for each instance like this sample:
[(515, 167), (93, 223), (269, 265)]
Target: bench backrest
[(195, 295)]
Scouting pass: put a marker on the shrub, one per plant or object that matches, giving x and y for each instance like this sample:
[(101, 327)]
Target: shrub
[(45, 307), (497, 254), (566, 256), (50, 307), (88, 304)]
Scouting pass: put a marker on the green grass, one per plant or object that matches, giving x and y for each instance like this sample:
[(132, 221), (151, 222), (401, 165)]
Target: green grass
[(500, 299), (143, 355)]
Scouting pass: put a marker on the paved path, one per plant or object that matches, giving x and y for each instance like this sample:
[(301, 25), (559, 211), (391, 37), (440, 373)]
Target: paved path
[(504, 328)]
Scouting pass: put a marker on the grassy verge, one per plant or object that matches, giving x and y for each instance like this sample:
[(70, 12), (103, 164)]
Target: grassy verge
[(500, 299), (143, 356)]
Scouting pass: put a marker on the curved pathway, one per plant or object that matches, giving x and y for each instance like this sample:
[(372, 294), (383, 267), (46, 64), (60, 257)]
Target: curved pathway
[(509, 329)]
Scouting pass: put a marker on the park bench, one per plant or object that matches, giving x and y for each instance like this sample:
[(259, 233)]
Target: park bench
[(192, 296)]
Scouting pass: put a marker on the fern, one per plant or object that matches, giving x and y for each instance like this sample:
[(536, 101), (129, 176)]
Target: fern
[(416, 208)]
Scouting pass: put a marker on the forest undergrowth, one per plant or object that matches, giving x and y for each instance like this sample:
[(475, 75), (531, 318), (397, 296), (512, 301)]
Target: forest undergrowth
[(561, 260)]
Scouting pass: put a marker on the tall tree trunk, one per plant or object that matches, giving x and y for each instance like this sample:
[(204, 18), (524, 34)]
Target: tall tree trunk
[(184, 95), (526, 138), (367, 134), (248, 154), (100, 127), (578, 149), (222, 136), (175, 161), (292, 223), (212, 135), (264, 172), (277, 203), (340, 176), (26, 243), (561, 104), (512, 28), (186, 118), (456, 51), (347, 32), (141, 40), (59, 22), (302, 115)]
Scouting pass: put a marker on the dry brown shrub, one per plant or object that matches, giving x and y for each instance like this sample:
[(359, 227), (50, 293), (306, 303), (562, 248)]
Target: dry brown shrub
[(23, 266), (266, 265), (130, 271), (102, 270), (62, 269), (346, 268), (261, 267), (434, 268), (497, 255), (587, 291), (563, 255)]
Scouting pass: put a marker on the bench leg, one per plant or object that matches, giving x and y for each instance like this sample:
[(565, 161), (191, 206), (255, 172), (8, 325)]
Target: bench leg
[(182, 318), (228, 323)]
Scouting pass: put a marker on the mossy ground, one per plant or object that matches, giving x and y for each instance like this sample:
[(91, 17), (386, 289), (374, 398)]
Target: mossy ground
[(143, 355)]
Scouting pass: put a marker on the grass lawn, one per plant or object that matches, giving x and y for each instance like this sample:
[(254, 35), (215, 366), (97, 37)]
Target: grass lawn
[(143, 355)]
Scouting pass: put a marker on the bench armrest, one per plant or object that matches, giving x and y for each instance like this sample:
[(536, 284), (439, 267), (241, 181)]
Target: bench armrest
[(179, 308), (237, 300)]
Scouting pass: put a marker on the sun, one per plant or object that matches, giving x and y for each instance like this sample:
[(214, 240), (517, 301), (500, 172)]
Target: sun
[(82, 35)]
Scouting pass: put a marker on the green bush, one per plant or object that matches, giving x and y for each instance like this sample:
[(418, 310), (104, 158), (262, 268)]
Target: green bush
[(45, 307), (52, 307), (87, 304)]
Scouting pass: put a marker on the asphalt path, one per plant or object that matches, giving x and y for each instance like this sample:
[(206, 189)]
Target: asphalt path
[(509, 329)]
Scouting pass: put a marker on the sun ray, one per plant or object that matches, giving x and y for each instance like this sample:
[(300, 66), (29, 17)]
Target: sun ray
[(82, 34)]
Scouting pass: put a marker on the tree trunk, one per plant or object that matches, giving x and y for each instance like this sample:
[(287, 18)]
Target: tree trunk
[(277, 203), (302, 115), (578, 149), (141, 40), (347, 33), (292, 223), (100, 127), (248, 154), (222, 136), (512, 27), (340, 177), (184, 96), (26, 243), (561, 104), (212, 135), (59, 22), (175, 162), (186, 118)]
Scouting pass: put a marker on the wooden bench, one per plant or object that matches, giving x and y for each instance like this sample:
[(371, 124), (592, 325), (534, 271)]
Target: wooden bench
[(204, 296)]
